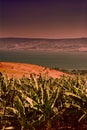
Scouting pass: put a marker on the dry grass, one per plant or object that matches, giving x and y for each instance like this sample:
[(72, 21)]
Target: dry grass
[(17, 70)]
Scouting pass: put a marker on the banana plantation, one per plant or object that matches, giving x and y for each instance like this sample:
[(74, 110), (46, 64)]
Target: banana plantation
[(43, 103)]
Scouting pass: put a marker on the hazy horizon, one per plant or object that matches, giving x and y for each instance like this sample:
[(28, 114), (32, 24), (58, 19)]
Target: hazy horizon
[(50, 45), (42, 37), (62, 53)]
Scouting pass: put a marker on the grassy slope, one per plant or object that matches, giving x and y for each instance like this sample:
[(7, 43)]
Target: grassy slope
[(19, 69)]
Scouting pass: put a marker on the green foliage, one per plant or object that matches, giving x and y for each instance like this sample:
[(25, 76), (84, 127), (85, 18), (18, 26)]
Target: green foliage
[(29, 103)]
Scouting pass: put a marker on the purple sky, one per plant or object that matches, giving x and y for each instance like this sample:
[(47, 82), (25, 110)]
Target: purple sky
[(43, 18)]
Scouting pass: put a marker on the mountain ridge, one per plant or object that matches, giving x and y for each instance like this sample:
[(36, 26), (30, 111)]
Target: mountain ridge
[(49, 45)]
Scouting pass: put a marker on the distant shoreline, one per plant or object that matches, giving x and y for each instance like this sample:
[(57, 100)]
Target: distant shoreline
[(62, 53), (43, 38), (37, 38)]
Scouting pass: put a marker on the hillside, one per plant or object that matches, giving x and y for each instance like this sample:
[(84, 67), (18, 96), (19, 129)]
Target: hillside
[(59, 45), (41, 103), (17, 70)]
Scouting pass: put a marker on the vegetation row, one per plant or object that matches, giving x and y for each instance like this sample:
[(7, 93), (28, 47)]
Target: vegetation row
[(43, 103)]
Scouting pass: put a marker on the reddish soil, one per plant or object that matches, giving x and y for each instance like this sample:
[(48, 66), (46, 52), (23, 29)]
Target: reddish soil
[(17, 70)]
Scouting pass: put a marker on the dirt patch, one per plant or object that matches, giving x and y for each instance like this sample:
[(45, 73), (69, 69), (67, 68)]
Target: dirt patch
[(19, 69)]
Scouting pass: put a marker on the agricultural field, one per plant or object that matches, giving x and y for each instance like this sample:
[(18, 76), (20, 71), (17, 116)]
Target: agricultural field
[(43, 103)]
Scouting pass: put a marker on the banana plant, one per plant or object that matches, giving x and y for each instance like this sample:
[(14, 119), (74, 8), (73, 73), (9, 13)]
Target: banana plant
[(43, 99), (27, 103), (78, 98)]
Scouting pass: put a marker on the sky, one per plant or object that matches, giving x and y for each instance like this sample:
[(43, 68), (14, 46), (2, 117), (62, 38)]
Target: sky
[(43, 18)]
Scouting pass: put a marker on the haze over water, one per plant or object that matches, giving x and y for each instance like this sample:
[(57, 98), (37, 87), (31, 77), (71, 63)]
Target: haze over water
[(59, 53)]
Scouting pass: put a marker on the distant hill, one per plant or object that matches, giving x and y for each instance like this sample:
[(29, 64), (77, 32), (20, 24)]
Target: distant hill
[(49, 45)]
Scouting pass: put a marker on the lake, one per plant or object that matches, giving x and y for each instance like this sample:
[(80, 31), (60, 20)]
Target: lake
[(66, 60)]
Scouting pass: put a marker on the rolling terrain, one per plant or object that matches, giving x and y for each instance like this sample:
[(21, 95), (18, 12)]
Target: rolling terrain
[(17, 70), (49, 45)]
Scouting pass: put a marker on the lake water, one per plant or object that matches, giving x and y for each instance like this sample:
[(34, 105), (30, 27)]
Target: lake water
[(61, 60)]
